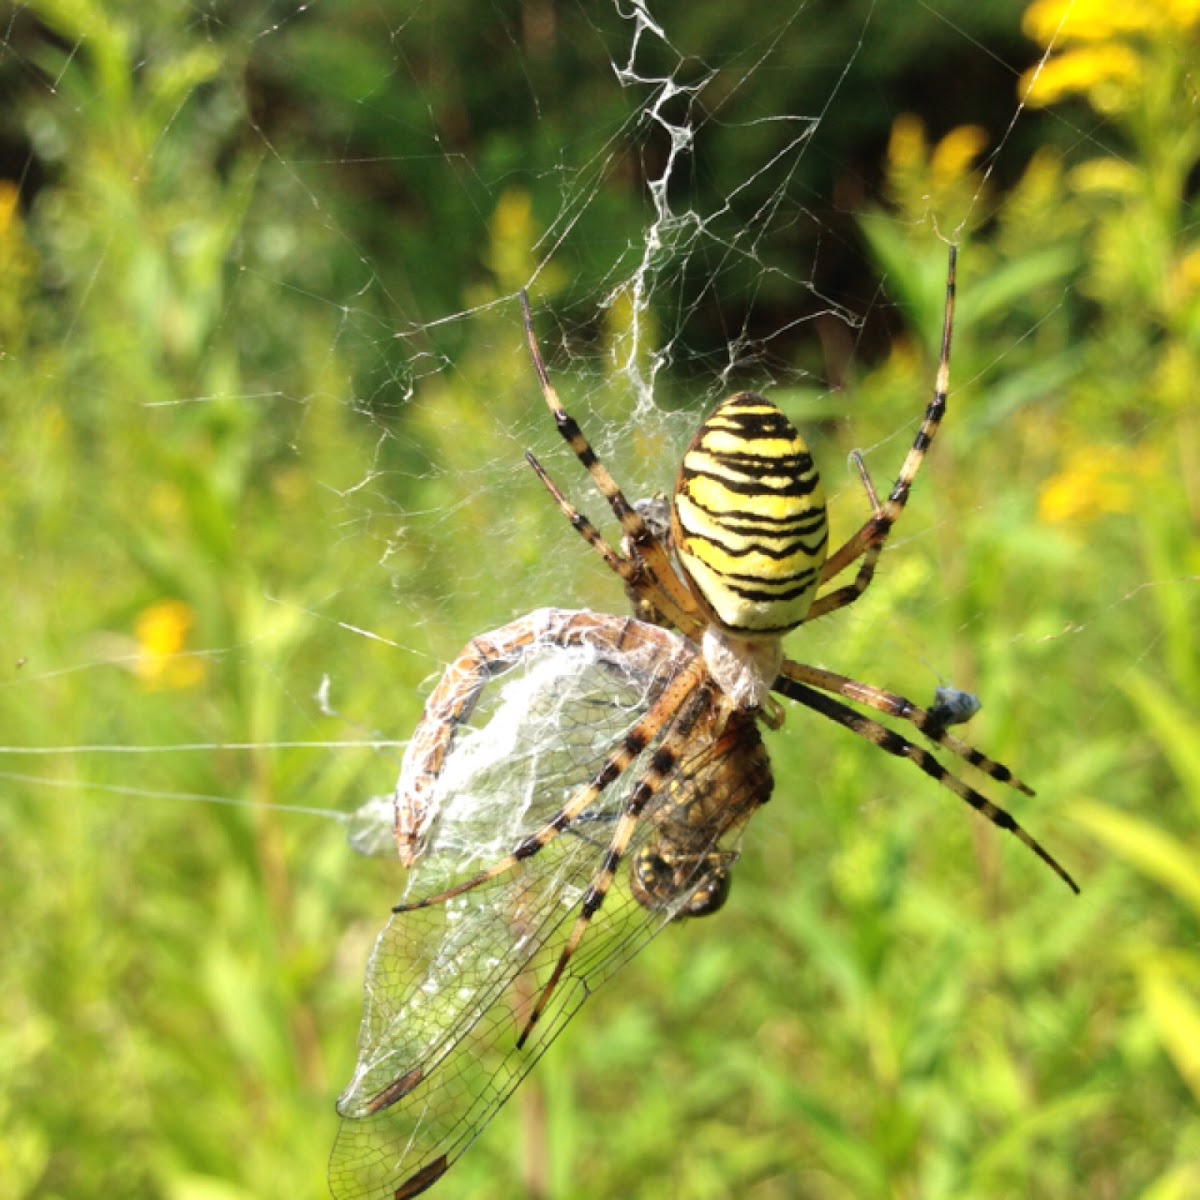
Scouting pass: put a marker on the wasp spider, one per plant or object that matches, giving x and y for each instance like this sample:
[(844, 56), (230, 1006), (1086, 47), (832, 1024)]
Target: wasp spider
[(603, 794)]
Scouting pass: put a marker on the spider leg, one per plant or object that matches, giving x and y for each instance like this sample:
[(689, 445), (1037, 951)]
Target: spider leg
[(893, 743), (905, 710), (832, 601), (642, 542), (638, 582), (662, 766), (635, 741), (869, 541), (868, 486), (453, 700)]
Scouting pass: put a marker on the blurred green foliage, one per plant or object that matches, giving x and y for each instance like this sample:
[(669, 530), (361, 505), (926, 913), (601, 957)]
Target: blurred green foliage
[(232, 443)]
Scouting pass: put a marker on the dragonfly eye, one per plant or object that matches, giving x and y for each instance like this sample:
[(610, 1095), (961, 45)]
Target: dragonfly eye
[(662, 880)]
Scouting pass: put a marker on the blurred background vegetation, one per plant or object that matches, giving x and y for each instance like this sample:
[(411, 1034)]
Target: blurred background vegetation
[(264, 399)]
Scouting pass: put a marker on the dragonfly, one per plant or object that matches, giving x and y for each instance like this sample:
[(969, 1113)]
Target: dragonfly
[(450, 986)]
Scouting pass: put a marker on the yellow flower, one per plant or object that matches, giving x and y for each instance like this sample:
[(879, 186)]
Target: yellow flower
[(906, 145), (8, 203), (937, 179), (1108, 75), (512, 234), (1186, 275), (1051, 22), (1181, 14), (1106, 176), (1104, 49), (949, 160), (954, 155), (1095, 481), (163, 660)]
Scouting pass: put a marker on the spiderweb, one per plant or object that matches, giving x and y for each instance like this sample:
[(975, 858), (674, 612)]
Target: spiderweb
[(266, 401)]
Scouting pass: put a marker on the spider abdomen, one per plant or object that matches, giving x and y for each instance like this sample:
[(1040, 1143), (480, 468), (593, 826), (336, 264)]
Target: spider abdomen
[(748, 519)]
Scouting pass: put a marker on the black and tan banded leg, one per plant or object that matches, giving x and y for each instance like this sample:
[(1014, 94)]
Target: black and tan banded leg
[(869, 541), (453, 700), (893, 743), (642, 587), (660, 714), (642, 543), (662, 766), (904, 710)]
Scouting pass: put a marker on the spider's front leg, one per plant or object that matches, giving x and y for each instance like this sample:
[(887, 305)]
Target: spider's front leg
[(869, 541), (644, 548), (651, 602)]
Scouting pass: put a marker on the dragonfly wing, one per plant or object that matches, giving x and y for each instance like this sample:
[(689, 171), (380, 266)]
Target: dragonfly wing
[(435, 1069), (449, 987)]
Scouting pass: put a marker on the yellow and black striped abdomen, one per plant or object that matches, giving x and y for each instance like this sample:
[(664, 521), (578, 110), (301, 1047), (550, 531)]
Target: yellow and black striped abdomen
[(748, 519)]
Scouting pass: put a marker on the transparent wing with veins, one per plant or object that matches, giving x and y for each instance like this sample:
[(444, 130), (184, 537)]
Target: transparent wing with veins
[(449, 987)]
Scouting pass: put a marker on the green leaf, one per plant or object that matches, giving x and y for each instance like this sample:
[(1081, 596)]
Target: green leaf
[(1180, 1183), (1156, 854), (1175, 732), (1176, 1017)]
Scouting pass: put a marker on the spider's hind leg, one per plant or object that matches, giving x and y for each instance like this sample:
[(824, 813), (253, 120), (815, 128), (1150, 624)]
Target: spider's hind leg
[(893, 743), (932, 723)]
